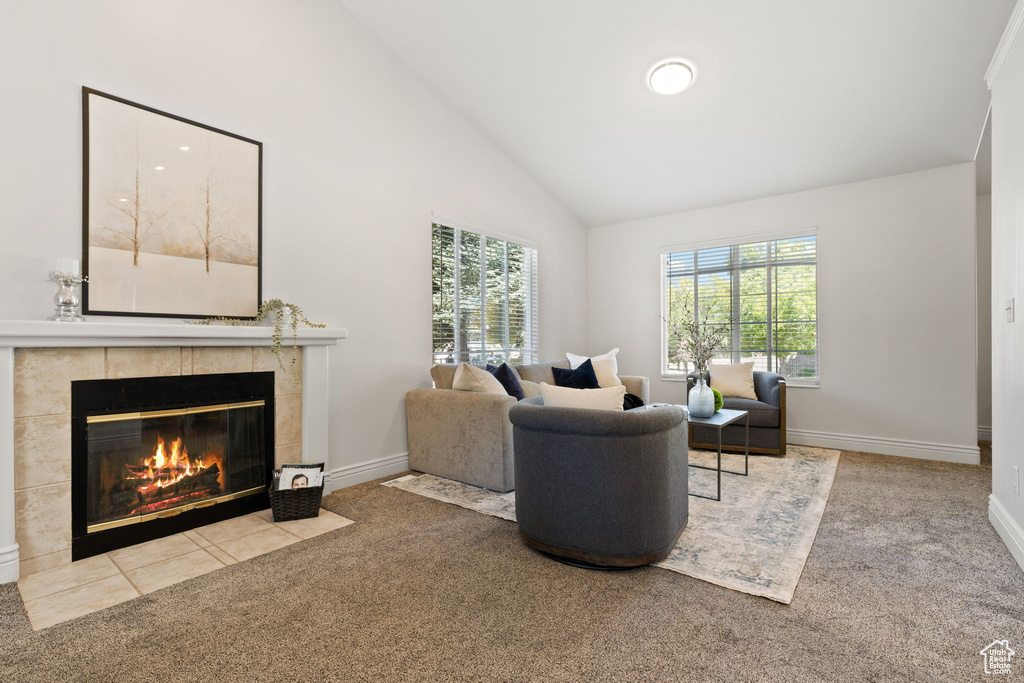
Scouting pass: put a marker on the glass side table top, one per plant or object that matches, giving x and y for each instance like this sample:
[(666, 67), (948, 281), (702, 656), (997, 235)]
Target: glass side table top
[(723, 417)]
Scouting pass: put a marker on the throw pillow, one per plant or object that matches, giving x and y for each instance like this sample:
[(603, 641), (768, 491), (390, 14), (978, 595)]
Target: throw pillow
[(631, 401), (606, 367), (582, 377), (531, 389), (471, 378), (507, 376), (609, 398), (733, 380), (443, 375)]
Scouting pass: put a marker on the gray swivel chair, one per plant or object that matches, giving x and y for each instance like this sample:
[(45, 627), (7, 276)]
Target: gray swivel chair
[(600, 488)]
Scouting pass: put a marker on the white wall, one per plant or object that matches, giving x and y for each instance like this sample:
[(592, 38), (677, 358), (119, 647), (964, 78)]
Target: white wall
[(984, 274), (357, 154), (896, 307), (1006, 506)]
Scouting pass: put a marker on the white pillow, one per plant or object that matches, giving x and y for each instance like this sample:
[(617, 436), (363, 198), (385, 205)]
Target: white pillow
[(471, 378), (606, 367), (733, 380), (609, 398)]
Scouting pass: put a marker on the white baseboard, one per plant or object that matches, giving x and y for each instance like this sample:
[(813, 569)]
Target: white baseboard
[(1007, 528), (984, 433), (350, 475), (10, 564), (969, 455)]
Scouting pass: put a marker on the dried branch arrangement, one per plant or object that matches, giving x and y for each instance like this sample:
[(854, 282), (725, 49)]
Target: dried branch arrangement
[(699, 338)]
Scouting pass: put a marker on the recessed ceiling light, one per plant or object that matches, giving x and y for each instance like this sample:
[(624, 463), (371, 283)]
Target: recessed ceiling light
[(159, 168), (670, 77), (124, 199), (184, 148)]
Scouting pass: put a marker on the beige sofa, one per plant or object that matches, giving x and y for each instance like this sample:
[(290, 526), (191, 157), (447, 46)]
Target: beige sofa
[(467, 436)]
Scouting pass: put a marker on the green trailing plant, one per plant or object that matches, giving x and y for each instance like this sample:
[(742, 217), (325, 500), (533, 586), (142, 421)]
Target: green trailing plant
[(281, 314)]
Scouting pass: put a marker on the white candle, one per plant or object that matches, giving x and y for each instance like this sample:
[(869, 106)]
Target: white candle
[(67, 266)]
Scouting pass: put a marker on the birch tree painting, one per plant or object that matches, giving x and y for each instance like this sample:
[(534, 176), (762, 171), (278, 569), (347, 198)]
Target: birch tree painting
[(172, 214)]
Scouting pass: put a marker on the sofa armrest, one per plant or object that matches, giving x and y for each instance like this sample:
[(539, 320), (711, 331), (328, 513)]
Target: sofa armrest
[(638, 386), (461, 435)]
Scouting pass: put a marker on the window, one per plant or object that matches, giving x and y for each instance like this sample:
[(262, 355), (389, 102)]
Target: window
[(764, 293), (485, 298)]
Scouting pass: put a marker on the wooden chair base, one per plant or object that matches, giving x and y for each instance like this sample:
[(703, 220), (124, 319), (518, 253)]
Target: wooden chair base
[(585, 560)]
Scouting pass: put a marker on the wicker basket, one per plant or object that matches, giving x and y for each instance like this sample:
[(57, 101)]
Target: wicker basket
[(292, 504)]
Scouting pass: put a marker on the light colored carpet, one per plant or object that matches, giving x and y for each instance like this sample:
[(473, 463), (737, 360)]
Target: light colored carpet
[(907, 581), (755, 540)]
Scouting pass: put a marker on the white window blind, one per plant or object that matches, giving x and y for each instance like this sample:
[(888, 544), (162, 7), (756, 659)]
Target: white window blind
[(484, 299), (764, 293)]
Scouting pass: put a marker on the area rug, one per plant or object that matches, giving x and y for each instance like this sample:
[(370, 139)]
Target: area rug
[(755, 540)]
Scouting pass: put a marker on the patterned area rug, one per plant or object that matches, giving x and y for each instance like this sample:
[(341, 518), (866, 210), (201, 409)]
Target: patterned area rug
[(755, 540)]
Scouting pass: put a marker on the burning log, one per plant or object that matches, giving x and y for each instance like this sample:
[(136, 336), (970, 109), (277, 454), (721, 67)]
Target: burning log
[(169, 478), (176, 473), (206, 481)]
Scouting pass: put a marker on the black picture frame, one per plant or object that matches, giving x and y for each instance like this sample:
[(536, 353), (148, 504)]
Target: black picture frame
[(189, 204)]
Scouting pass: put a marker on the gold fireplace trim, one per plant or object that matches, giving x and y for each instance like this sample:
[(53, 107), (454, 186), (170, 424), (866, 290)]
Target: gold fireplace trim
[(171, 512), (177, 412)]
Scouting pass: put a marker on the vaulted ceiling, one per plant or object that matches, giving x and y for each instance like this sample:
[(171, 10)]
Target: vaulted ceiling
[(789, 95)]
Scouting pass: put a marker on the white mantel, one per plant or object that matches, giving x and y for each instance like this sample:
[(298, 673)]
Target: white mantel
[(49, 334), (15, 334)]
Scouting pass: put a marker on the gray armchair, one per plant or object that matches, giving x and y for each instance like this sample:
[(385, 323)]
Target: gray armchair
[(767, 418), (600, 487), (460, 435)]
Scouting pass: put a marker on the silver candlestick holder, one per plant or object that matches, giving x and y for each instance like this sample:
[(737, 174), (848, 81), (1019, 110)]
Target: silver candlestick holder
[(66, 298)]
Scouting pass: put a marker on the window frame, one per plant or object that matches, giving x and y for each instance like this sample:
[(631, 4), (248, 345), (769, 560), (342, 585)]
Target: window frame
[(739, 241), (531, 353)]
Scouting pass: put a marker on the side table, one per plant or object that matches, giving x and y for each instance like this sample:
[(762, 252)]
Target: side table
[(718, 420)]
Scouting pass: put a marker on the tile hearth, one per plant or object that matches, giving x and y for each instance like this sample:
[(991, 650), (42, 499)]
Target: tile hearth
[(55, 595)]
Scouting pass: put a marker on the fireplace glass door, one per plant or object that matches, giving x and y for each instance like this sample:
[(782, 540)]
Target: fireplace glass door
[(157, 464)]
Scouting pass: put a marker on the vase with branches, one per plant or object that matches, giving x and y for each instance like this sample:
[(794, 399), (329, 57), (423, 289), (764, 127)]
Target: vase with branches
[(697, 339), (280, 315)]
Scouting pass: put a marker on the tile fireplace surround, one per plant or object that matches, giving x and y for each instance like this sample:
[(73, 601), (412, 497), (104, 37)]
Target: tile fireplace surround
[(38, 361)]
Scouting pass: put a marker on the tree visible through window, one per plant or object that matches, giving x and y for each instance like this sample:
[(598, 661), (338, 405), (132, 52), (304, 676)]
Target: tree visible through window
[(764, 292), (484, 299)]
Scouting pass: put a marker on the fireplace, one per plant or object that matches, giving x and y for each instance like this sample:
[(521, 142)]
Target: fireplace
[(155, 456)]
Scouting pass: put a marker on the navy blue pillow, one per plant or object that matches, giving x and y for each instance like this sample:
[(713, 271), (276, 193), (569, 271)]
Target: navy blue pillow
[(504, 374), (582, 377)]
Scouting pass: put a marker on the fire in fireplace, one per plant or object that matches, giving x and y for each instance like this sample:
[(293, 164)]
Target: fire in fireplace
[(169, 478), (142, 471)]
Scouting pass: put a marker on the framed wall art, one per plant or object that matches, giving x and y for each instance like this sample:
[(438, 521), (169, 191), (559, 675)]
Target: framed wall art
[(172, 214)]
